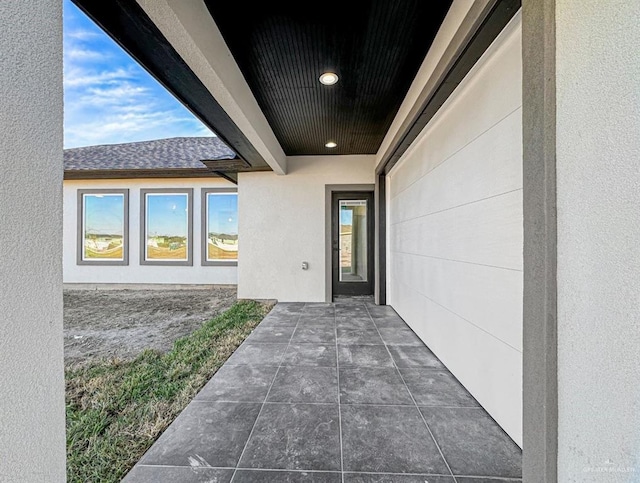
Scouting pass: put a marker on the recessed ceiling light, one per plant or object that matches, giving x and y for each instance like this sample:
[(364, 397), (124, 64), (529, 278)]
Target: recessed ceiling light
[(331, 145), (328, 78)]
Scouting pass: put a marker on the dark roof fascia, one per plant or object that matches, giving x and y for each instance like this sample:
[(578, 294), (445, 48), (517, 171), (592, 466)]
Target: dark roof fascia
[(480, 28), (139, 173), (209, 171), (232, 177), (129, 25)]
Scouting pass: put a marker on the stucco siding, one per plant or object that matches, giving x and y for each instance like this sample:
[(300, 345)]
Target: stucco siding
[(598, 271), (32, 441), (282, 224), (134, 272)]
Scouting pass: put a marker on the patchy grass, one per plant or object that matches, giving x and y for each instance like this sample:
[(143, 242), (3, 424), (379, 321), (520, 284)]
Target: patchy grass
[(116, 409)]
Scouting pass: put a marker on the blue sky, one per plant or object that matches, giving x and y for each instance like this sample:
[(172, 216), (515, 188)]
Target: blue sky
[(223, 214), (109, 98), (104, 214), (167, 215), (346, 216)]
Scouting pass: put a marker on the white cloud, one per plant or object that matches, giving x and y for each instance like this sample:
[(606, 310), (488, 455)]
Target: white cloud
[(111, 99), (81, 34), (129, 127), (81, 54), (78, 77), (118, 94)]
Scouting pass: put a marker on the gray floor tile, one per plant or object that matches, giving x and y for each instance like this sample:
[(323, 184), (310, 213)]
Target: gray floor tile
[(357, 310), (361, 323), (389, 322), (288, 308), (277, 334), (466, 479), (390, 439), (295, 436), (384, 438), (314, 334), (358, 336), (353, 299), (258, 476), (436, 388), (414, 356), (280, 320), (399, 336), (323, 355), (378, 478), (296, 384), (265, 354), (317, 321), (239, 383), (185, 474), (473, 443), (372, 385), (205, 434), (354, 355), (381, 311), (320, 310)]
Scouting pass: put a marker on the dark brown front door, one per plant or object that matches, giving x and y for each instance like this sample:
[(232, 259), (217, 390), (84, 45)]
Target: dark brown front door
[(352, 242)]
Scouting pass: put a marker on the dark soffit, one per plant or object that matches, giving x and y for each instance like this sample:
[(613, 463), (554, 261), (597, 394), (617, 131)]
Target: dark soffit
[(483, 30), (375, 46)]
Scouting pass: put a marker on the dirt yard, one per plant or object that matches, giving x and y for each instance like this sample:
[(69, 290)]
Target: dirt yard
[(122, 323)]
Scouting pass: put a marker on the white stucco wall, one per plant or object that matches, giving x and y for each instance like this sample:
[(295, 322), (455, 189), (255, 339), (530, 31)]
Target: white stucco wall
[(134, 273), (32, 433), (598, 203), (282, 224), (456, 232)]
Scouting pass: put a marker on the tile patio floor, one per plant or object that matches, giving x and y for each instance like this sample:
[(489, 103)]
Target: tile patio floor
[(328, 393)]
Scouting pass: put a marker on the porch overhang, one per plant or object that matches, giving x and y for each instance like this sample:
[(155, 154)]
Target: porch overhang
[(181, 45)]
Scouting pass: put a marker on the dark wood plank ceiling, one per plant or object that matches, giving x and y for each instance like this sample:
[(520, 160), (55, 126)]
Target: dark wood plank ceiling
[(375, 46)]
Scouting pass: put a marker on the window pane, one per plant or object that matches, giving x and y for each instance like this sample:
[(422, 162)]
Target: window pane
[(103, 227), (353, 240), (167, 226), (222, 226)]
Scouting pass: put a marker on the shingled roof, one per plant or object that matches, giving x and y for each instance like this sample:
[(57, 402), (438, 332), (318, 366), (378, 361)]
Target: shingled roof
[(161, 154)]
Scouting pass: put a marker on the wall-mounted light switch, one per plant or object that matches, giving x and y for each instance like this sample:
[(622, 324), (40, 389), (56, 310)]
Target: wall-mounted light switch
[(305, 266)]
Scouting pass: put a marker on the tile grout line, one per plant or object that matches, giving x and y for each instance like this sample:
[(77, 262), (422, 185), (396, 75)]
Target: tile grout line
[(354, 472), (412, 398), (335, 330), (255, 423), (207, 401)]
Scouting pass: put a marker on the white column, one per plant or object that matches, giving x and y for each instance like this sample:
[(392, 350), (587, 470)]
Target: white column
[(32, 437)]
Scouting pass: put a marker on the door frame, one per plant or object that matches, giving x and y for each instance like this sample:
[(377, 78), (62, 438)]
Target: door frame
[(329, 190), (353, 288)]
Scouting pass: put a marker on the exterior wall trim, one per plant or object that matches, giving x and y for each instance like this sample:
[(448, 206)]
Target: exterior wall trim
[(143, 226), (380, 201), (329, 189), (139, 173), (80, 231), (203, 230), (540, 336)]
